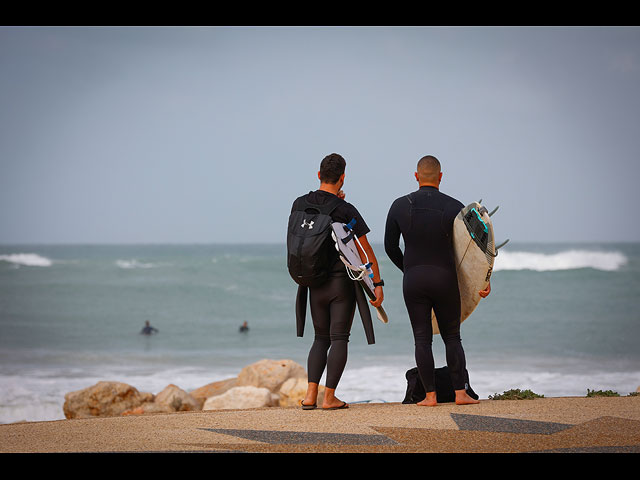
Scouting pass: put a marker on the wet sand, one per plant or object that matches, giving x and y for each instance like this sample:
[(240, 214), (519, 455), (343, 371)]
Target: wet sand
[(565, 425)]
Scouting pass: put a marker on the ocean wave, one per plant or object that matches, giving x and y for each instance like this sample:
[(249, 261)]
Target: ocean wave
[(387, 383), (566, 260), (26, 259), (128, 264), (552, 383), (38, 393)]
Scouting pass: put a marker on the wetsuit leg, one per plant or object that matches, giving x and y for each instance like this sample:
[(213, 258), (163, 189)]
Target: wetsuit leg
[(332, 309), (447, 311), (425, 288)]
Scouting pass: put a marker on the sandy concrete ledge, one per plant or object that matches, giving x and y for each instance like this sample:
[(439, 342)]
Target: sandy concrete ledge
[(573, 424)]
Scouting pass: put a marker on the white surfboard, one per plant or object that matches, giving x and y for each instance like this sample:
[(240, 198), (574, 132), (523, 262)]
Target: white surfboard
[(346, 246), (475, 251)]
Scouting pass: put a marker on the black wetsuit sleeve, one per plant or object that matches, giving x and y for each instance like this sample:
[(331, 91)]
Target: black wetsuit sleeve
[(360, 228), (392, 237)]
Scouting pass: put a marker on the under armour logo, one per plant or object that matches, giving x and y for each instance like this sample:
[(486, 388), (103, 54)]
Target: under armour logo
[(305, 224)]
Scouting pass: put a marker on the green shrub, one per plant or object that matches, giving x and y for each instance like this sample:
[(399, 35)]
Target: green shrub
[(515, 394), (600, 393)]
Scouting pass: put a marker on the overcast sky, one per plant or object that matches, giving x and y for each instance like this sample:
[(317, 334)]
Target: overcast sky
[(198, 135)]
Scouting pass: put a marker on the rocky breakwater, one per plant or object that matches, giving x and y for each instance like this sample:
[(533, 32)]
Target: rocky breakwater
[(266, 383)]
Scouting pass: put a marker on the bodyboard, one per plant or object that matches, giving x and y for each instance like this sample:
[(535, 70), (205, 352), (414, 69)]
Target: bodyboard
[(348, 251)]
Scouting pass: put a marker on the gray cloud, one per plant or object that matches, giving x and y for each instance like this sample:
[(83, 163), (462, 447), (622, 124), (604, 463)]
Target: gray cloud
[(208, 134)]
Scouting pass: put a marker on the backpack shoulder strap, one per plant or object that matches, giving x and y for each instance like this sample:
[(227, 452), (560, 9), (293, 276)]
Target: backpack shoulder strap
[(327, 208)]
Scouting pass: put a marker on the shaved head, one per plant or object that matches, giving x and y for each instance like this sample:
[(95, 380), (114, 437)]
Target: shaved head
[(428, 169)]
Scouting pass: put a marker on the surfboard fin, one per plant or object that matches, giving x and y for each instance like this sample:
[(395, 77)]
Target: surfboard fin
[(494, 210), (502, 244)]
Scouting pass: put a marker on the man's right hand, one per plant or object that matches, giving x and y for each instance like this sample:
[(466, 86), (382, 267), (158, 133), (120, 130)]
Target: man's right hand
[(484, 293), (379, 297)]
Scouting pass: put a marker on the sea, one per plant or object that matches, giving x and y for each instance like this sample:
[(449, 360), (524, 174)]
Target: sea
[(561, 319)]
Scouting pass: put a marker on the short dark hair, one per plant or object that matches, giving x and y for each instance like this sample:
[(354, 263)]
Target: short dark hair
[(331, 168), (429, 162), (428, 168)]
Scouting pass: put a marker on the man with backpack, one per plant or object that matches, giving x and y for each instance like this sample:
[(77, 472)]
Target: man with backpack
[(314, 264)]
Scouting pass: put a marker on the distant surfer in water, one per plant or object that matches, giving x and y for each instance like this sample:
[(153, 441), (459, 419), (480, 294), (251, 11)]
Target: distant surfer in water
[(148, 329), (244, 327), (333, 303), (424, 218)]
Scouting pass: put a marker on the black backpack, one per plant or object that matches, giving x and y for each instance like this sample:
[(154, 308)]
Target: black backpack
[(310, 249), (444, 388)]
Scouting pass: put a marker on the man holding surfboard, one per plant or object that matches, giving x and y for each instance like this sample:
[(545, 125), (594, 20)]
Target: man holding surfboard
[(333, 300), (425, 219)]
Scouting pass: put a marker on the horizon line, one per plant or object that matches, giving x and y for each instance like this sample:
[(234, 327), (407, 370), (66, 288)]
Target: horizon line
[(266, 242)]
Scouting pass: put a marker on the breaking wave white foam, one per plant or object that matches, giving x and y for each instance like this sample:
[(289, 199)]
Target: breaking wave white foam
[(567, 260), (133, 264), (26, 259)]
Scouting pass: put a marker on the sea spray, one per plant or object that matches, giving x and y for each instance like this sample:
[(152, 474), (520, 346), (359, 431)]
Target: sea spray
[(26, 259), (133, 263), (565, 260)]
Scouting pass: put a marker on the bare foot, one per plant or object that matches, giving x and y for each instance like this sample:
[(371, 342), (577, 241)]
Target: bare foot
[(309, 400), (312, 394), (331, 401), (462, 398), (335, 405), (308, 403), (429, 401)]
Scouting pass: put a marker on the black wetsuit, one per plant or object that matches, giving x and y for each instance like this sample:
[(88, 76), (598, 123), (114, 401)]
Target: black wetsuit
[(425, 220), (333, 303)]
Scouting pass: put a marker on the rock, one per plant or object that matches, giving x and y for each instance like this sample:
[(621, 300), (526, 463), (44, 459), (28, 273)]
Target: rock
[(240, 398), (177, 399), (149, 407), (270, 374), (104, 399), (147, 397), (293, 391), (638, 389), (212, 389)]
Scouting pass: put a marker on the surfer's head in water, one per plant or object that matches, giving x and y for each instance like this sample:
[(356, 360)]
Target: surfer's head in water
[(428, 172), (331, 174)]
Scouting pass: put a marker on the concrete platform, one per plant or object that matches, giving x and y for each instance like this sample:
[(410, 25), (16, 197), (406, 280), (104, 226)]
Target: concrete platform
[(549, 425)]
